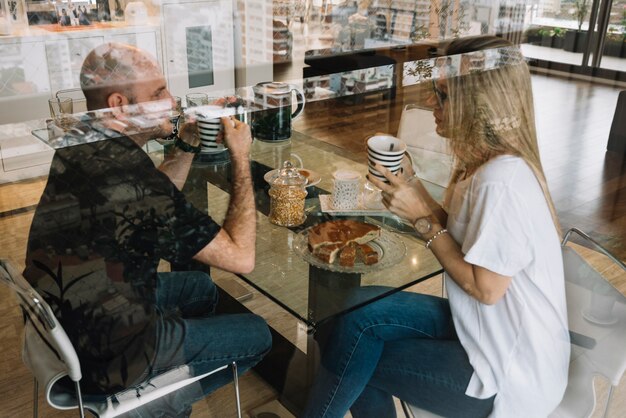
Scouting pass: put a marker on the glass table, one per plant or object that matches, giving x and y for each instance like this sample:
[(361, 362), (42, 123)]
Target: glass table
[(313, 295)]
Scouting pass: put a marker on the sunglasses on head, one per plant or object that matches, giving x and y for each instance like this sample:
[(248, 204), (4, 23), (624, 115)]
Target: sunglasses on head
[(442, 96)]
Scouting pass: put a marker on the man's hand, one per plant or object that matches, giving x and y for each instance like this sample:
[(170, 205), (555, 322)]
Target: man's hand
[(188, 132), (238, 137)]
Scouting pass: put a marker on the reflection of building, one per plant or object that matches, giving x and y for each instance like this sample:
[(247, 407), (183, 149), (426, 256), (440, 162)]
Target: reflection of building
[(505, 18), (409, 20), (550, 6)]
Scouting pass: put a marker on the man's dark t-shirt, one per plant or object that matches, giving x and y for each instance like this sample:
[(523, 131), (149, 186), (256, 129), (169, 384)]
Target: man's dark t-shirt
[(106, 218)]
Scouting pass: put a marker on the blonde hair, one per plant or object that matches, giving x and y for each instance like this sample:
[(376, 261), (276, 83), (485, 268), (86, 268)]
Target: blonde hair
[(491, 113)]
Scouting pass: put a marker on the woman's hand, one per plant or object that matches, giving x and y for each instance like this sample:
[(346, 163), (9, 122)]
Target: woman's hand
[(406, 168), (400, 197)]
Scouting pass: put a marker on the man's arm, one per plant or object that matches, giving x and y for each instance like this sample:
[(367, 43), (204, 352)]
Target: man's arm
[(177, 162), (233, 248)]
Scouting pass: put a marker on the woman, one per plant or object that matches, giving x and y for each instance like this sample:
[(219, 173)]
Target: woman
[(499, 345)]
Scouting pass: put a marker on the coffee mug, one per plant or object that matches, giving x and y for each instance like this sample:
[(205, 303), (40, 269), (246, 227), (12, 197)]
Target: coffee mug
[(209, 127), (347, 184), (387, 151)]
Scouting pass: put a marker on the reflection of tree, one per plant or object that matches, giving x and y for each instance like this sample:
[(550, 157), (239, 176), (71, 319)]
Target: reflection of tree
[(13, 9), (87, 326), (581, 7), (137, 241), (421, 69), (449, 19)]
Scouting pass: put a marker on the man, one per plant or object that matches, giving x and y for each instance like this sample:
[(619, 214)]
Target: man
[(65, 19), (106, 219)]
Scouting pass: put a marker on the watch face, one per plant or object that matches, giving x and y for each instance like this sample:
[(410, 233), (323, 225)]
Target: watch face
[(423, 225)]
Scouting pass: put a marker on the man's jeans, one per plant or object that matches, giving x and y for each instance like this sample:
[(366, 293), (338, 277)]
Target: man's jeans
[(403, 345), (189, 333)]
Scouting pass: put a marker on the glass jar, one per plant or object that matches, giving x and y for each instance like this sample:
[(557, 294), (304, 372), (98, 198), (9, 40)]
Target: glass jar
[(287, 197)]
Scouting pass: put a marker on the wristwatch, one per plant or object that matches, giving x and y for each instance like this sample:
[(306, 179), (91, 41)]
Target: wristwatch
[(182, 145), (423, 225)]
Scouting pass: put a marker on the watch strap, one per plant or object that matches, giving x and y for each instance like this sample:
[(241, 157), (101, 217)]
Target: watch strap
[(185, 147)]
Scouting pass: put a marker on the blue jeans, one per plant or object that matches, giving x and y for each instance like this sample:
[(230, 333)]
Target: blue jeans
[(403, 345), (189, 333)]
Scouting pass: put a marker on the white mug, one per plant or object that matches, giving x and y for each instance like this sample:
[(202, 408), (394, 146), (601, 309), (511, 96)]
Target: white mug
[(387, 151), (210, 125), (346, 189)]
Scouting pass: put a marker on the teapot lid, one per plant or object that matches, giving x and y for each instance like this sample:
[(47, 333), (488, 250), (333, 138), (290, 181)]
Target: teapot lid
[(289, 176), (273, 87)]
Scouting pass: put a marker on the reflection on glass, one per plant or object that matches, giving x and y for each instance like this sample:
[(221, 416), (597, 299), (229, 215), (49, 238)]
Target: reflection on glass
[(197, 99)]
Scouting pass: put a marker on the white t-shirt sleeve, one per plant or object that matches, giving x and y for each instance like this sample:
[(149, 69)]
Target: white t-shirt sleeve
[(497, 236)]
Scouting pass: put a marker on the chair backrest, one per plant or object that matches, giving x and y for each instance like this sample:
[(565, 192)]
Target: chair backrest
[(432, 160), (47, 351), (597, 322), (50, 356), (596, 315)]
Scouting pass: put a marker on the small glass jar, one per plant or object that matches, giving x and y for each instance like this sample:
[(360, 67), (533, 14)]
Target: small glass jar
[(287, 197)]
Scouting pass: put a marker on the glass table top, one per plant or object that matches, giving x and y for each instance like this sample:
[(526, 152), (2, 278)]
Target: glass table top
[(312, 294)]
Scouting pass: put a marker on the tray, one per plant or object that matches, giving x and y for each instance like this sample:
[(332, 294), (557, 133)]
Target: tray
[(326, 206), (389, 247)]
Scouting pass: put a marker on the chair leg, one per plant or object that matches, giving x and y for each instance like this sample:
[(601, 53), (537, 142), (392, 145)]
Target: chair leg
[(405, 409), (35, 398), (236, 382), (443, 285), (79, 395), (608, 400)]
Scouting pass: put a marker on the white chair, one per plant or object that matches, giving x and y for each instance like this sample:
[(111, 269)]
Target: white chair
[(50, 356), (432, 159), (596, 314)]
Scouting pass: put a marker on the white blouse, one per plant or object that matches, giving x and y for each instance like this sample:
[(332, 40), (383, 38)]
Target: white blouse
[(518, 347)]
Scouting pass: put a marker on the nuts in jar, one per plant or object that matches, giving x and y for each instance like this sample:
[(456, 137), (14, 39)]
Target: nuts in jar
[(287, 197), (287, 206)]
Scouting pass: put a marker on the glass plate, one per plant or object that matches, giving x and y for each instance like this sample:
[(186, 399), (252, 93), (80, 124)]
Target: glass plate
[(389, 247)]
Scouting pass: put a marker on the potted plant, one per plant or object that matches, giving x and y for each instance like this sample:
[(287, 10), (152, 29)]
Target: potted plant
[(558, 35), (613, 43), (546, 37), (575, 41), (532, 35)]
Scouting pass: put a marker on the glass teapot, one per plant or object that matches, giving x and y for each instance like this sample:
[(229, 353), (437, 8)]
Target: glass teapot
[(287, 197), (272, 120)]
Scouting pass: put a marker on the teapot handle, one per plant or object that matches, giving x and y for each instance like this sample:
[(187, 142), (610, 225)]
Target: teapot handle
[(301, 99)]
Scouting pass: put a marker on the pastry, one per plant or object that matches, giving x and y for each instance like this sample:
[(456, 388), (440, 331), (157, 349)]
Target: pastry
[(327, 253), (332, 238), (341, 232), (367, 254), (347, 256)]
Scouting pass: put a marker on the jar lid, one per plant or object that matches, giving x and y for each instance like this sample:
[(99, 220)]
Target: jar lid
[(289, 176)]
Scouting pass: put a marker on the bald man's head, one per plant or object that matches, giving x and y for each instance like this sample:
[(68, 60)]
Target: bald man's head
[(115, 68)]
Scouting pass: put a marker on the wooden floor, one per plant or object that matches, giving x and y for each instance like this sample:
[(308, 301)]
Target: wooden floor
[(587, 184)]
